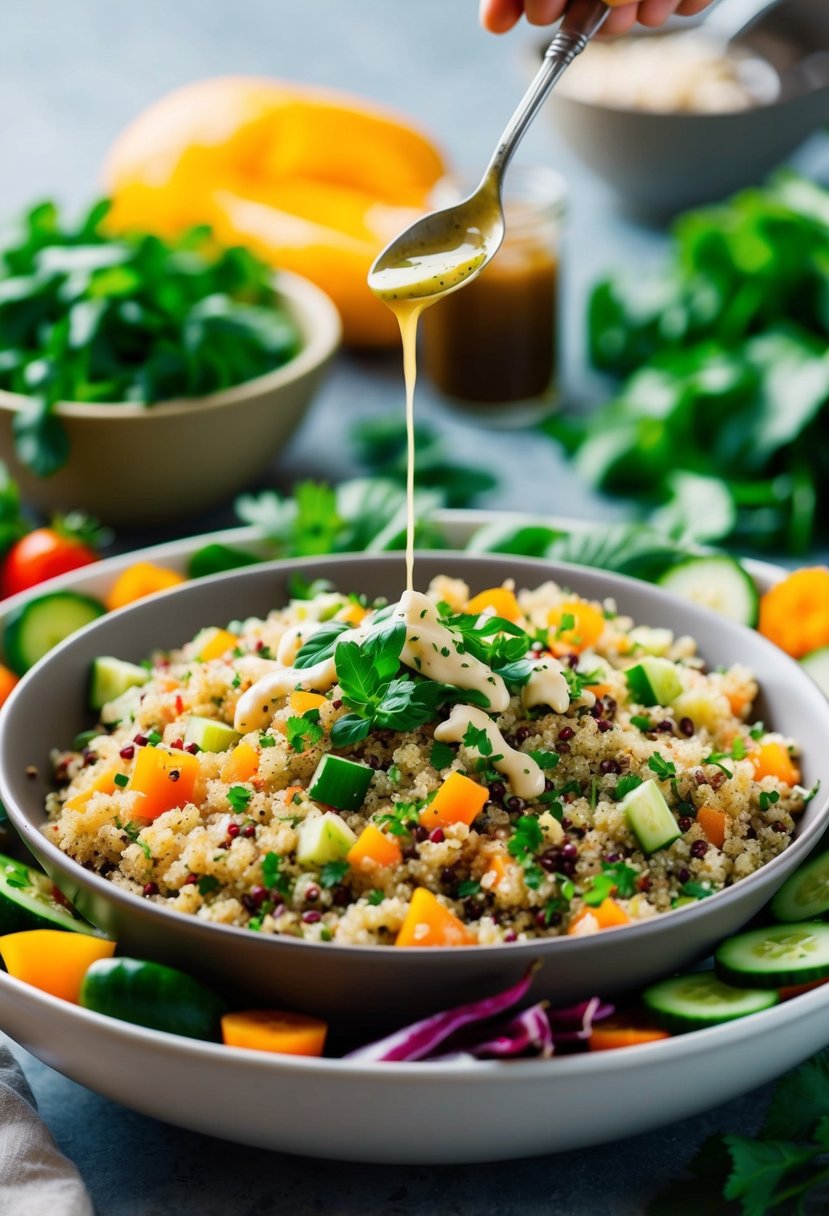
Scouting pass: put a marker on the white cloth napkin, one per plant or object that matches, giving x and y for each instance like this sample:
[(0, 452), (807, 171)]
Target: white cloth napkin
[(35, 1178)]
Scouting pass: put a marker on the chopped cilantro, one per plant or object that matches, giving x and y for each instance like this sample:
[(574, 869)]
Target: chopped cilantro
[(401, 819), (236, 681), (304, 732), (625, 784), (207, 883), (376, 897), (662, 767), (768, 798), (616, 878), (239, 797), (441, 755), (333, 872), (267, 741), (255, 923), (272, 877), (153, 738), (393, 774), (577, 681), (470, 887), (757, 731), (696, 890), (525, 842), (132, 830), (545, 760), (567, 622)]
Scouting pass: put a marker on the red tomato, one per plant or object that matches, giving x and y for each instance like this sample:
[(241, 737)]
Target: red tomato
[(41, 555)]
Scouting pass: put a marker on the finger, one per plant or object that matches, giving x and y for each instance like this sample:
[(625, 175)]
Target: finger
[(543, 12), (620, 20), (654, 13), (498, 16), (690, 8)]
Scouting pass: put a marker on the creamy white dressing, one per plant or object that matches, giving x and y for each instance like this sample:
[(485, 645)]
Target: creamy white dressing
[(293, 639), (546, 686), (256, 707), (432, 649), (523, 773)]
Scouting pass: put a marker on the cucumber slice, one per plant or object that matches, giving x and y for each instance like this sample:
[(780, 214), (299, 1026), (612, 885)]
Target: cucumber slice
[(775, 956), (153, 995), (653, 681), (816, 665), (716, 582), (210, 735), (340, 783), (323, 838), (111, 678), (805, 894), (123, 708), (27, 901), (692, 1002), (650, 818), (652, 641), (35, 627)]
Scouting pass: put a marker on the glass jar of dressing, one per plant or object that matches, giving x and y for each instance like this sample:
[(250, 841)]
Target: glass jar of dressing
[(492, 345)]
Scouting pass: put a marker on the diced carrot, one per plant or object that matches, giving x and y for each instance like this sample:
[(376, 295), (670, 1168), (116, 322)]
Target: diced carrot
[(139, 581), (52, 959), (599, 690), (773, 760), (738, 702), (7, 682), (713, 823), (241, 765), (794, 614), (104, 783), (428, 923), (608, 915), (290, 1034), (215, 643), (300, 702), (610, 1035), (165, 778), (352, 613), (792, 990), (459, 800), (587, 627), (499, 600), (498, 869), (290, 792), (374, 848)]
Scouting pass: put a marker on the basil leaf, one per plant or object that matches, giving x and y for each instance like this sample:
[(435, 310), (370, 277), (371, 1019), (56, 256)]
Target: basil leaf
[(382, 646), (351, 728), (321, 645), (357, 678)]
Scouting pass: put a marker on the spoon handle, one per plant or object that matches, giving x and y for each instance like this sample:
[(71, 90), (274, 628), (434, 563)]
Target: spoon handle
[(581, 21)]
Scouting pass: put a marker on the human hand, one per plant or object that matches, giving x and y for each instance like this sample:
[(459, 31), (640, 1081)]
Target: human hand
[(498, 16)]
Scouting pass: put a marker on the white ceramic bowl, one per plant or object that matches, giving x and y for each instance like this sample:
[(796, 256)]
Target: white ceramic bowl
[(134, 465)]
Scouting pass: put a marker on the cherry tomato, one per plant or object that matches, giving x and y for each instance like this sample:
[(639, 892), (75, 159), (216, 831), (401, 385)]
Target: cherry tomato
[(41, 555)]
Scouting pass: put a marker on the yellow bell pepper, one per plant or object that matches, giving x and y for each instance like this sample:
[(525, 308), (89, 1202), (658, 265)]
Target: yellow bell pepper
[(53, 960)]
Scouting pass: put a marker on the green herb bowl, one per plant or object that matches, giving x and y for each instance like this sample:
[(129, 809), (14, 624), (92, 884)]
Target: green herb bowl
[(362, 987), (132, 465)]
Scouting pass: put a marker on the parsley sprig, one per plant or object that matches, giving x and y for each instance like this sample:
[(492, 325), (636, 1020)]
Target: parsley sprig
[(616, 878), (305, 731), (525, 842)]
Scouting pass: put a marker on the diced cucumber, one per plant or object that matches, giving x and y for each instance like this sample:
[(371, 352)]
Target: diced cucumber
[(340, 783), (816, 665), (775, 956), (323, 838), (653, 681), (692, 1002), (35, 627), (719, 583), (210, 735), (805, 894), (653, 641), (153, 995), (650, 818), (123, 708), (27, 901), (111, 678), (704, 706)]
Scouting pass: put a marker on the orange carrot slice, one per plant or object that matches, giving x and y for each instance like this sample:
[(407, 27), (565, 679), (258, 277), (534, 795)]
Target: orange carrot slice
[(608, 1036), (374, 848), (290, 1034), (714, 824)]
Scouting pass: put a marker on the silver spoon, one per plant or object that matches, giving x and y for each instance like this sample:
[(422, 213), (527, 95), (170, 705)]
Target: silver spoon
[(447, 248)]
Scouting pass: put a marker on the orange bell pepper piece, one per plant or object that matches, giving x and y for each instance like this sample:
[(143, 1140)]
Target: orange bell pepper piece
[(794, 614), (773, 760), (53, 960), (139, 581), (609, 1035), (714, 824), (165, 778), (459, 800), (374, 848), (104, 783), (428, 923), (241, 765), (587, 625), (498, 868), (300, 702), (216, 642), (8, 680), (290, 1034), (608, 915), (501, 600)]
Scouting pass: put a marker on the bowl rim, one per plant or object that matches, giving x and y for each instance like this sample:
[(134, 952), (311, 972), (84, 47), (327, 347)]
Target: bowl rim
[(320, 327), (31, 834)]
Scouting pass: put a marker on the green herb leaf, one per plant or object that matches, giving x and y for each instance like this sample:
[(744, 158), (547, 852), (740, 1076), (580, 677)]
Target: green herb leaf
[(207, 884), (663, 768), (333, 872), (441, 755), (625, 784), (304, 732), (239, 797), (321, 645)]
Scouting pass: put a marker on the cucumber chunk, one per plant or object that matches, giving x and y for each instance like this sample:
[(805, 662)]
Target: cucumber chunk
[(653, 681), (27, 901), (719, 583), (323, 838), (692, 1002), (816, 665), (123, 708), (776, 956), (111, 678), (340, 783), (210, 735), (805, 894), (35, 627), (153, 995), (650, 818)]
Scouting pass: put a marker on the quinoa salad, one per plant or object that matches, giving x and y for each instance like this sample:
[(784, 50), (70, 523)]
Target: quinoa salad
[(449, 770)]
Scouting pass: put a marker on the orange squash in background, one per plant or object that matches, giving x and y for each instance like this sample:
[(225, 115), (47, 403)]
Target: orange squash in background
[(312, 180)]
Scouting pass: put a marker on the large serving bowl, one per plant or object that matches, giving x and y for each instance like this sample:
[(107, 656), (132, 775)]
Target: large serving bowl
[(136, 465), (358, 986), (661, 163)]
